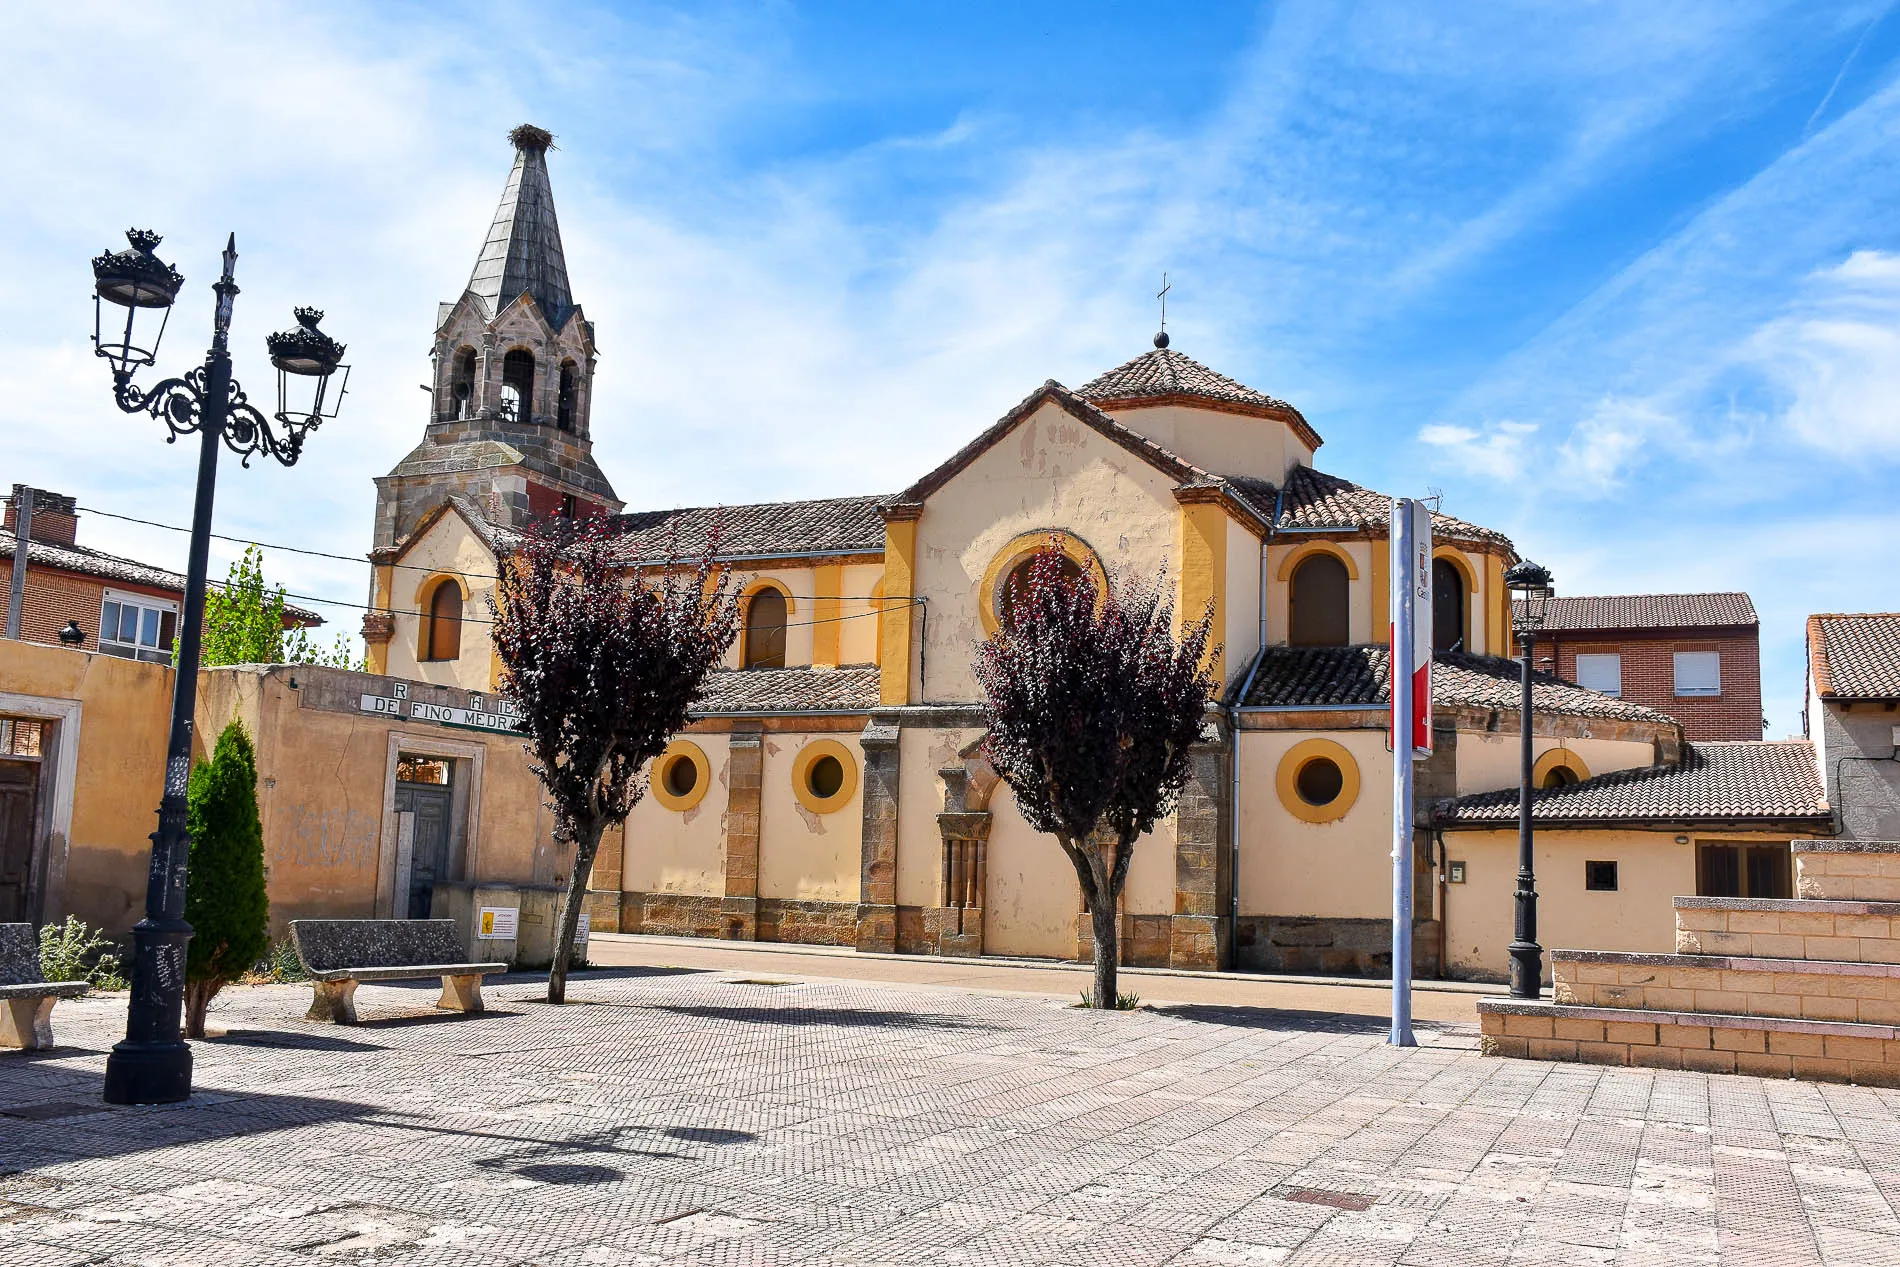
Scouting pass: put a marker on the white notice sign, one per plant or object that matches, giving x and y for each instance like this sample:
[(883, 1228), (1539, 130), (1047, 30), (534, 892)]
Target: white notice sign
[(580, 933), (498, 923)]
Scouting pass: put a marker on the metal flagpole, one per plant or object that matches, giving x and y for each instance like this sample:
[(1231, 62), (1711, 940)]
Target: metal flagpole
[(1400, 675)]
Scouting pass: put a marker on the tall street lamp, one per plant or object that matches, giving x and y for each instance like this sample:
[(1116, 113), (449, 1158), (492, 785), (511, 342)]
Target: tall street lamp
[(1530, 590), (153, 1064)]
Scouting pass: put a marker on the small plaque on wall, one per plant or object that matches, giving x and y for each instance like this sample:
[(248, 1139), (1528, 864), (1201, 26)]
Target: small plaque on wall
[(1454, 873), (498, 923)]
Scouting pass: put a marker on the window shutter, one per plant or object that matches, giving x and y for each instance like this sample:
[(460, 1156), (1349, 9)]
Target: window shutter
[(1601, 671), (1698, 673)]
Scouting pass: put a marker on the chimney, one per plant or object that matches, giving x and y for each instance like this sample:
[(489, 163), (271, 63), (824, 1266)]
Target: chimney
[(55, 518)]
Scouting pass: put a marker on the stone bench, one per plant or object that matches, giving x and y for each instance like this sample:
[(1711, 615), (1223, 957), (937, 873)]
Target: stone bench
[(27, 998), (339, 954)]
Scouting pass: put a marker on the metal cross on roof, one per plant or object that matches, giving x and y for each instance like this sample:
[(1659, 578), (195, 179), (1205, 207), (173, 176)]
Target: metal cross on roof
[(1162, 295)]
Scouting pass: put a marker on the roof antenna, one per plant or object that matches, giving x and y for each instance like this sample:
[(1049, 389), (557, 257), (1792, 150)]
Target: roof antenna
[(1161, 339)]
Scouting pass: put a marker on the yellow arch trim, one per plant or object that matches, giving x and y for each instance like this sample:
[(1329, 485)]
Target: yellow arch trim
[(1555, 757), (425, 592), (1457, 559), (425, 617), (801, 776), (1020, 547), (1302, 553), (769, 583), (1296, 758), (681, 750)]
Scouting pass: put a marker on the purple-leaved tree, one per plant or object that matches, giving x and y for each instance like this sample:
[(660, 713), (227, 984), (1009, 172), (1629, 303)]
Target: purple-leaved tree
[(1092, 705), (602, 665)]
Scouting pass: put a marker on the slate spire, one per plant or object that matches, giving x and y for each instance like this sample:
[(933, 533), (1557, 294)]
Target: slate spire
[(523, 251)]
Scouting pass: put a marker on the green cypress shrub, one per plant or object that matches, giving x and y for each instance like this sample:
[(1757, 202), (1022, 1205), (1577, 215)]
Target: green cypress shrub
[(225, 901)]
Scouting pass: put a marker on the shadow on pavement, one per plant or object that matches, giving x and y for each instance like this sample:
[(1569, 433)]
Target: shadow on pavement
[(843, 1017), (289, 1041), (1281, 1018)]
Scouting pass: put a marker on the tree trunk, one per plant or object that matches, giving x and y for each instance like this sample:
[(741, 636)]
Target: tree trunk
[(586, 845), (1107, 952), (198, 995)]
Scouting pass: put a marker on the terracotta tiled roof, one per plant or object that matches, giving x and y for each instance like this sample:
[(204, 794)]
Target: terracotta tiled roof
[(1314, 499), (832, 525), (1721, 782), (1165, 376), (1577, 612), (808, 690), (87, 561), (1855, 656), (1307, 677)]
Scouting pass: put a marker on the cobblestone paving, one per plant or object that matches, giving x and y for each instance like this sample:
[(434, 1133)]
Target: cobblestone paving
[(691, 1118)]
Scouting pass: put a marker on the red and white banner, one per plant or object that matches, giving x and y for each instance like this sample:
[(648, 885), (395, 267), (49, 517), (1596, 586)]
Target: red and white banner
[(1410, 637)]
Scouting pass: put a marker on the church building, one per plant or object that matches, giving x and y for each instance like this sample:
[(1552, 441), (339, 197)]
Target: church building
[(832, 787)]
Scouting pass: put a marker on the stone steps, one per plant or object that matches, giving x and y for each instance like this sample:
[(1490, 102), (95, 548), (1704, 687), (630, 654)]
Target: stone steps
[(1767, 1046), (1815, 990), (1789, 928)]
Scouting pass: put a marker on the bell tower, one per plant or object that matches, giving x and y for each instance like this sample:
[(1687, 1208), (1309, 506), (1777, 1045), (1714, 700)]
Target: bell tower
[(510, 410)]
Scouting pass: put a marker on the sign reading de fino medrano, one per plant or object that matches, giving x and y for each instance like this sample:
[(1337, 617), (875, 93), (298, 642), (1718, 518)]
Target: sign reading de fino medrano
[(493, 713)]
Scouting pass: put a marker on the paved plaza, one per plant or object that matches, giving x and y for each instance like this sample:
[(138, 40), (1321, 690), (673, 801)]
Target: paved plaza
[(698, 1116)]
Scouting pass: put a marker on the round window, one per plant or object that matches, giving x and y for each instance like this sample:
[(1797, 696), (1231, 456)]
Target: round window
[(825, 777), (1319, 781), (681, 776)]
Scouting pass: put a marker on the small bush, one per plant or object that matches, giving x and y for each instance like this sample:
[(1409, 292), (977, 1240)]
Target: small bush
[(74, 951), (1127, 1001), (279, 966)]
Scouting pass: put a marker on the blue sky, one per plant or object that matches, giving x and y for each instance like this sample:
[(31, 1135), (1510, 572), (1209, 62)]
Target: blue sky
[(1622, 280)]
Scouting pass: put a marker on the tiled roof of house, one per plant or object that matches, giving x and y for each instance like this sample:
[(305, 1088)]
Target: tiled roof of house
[(1855, 655), (1577, 612), (1165, 376), (1722, 782), (1316, 500), (807, 690), (831, 525), (1308, 677), (87, 561)]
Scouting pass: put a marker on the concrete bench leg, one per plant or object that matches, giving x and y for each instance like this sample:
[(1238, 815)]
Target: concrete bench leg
[(333, 1001), (461, 994), (27, 1023)]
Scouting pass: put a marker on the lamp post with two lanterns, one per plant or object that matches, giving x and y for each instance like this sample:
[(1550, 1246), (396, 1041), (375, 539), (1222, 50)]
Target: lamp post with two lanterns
[(153, 1063), (1530, 590)]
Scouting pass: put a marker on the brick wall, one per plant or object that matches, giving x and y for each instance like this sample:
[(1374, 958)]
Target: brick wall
[(53, 598), (1649, 676)]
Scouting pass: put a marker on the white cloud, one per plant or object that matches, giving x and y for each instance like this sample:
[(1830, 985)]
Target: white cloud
[(1835, 355), (1498, 451)]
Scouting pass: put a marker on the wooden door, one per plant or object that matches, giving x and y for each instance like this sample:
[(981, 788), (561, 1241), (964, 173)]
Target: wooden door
[(19, 814), (429, 861)]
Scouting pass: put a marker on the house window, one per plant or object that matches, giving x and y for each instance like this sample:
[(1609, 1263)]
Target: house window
[(1320, 781), (1320, 602), (1698, 673), (134, 627), (517, 386), (443, 635), (1599, 877), (1601, 671), (1741, 869), (1448, 606), (765, 630)]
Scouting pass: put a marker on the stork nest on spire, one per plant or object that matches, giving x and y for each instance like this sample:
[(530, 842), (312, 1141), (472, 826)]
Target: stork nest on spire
[(529, 137)]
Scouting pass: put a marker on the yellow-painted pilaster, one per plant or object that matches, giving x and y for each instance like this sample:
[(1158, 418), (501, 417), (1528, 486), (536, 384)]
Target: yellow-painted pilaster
[(827, 581), (1382, 589), (900, 572), (1497, 608), (376, 646), (1204, 573)]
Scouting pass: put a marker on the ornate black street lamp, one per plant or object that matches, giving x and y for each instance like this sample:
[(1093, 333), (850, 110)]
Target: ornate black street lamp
[(1530, 590), (153, 1064)]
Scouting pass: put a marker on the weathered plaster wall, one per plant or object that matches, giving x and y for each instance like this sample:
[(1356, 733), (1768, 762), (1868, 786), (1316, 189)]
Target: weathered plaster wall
[(1031, 900), (1863, 779), (804, 856), (1050, 472), (684, 852), (1224, 443), (1488, 761), (1292, 867), (1242, 632), (447, 546), (921, 753)]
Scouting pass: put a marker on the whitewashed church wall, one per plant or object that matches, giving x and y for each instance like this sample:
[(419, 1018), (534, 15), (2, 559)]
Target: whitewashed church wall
[(1224, 443), (1051, 472), (1031, 900), (805, 856), (1242, 631), (857, 630), (921, 753), (1341, 869), (447, 546), (668, 852), (1487, 762)]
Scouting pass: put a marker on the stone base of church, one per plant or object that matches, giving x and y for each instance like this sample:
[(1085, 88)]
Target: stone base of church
[(739, 919), (1331, 946)]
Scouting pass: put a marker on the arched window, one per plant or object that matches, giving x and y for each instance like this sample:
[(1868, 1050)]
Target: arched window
[(517, 386), (1448, 606), (1559, 776), (1320, 603), (565, 402), (765, 630), (462, 383), (1016, 584), (444, 633)]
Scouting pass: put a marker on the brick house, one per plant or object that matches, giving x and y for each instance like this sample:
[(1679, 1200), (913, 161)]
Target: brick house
[(1696, 657), (121, 606)]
